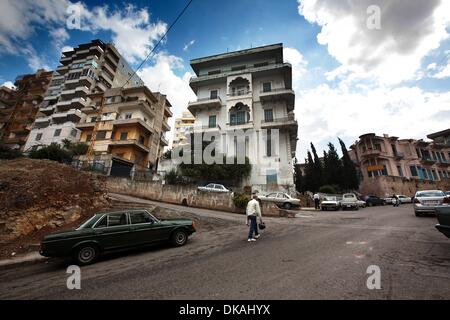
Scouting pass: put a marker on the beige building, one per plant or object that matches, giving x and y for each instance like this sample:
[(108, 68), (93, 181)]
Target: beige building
[(131, 133), (184, 125), (405, 160), (91, 67)]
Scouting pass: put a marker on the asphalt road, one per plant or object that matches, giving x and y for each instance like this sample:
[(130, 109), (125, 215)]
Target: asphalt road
[(318, 255)]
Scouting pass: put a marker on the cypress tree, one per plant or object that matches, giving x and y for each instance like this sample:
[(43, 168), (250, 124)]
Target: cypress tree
[(349, 176)]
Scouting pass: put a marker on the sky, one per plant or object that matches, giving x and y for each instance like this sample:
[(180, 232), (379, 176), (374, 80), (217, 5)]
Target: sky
[(380, 66)]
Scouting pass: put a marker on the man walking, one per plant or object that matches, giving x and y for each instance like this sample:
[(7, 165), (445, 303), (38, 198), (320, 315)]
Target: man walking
[(253, 212), (316, 201)]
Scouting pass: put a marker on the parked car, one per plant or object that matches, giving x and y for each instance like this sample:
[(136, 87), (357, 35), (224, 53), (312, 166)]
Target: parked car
[(443, 217), (330, 203), (349, 201), (361, 203), (374, 201), (404, 199), (114, 230), (281, 199), (426, 201), (213, 187)]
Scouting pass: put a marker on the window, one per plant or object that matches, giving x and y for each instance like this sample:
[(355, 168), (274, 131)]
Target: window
[(117, 219), (141, 140), (102, 223), (101, 135), (38, 136), (128, 115), (400, 171), (109, 100), (271, 177), (93, 119), (267, 87), (57, 133), (262, 64), (73, 132), (238, 68), (268, 115), (269, 144), (212, 122), (140, 217), (214, 72), (213, 94), (88, 137), (413, 171), (123, 135)]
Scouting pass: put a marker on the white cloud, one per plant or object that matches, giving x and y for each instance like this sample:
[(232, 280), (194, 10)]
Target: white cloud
[(298, 62), (410, 29), (8, 84), (325, 113), (441, 71), (66, 48), (160, 77), (187, 45)]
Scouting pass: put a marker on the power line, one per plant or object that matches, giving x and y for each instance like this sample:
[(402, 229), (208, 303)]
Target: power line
[(159, 41)]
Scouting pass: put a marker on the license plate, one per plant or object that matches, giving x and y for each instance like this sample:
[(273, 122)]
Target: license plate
[(433, 203)]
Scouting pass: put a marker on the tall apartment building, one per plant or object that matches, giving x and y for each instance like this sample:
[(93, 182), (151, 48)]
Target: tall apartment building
[(249, 89), (184, 125), (7, 103), (409, 159), (91, 67), (131, 132), (25, 101)]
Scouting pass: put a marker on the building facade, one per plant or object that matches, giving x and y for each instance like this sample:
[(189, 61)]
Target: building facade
[(402, 159), (7, 103), (184, 125), (250, 91), (131, 132), (89, 68), (29, 94)]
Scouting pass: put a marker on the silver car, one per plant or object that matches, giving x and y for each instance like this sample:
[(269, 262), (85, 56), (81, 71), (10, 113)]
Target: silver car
[(426, 201), (281, 199), (213, 187)]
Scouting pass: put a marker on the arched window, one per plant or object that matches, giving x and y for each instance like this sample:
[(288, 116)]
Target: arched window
[(239, 87), (239, 114)]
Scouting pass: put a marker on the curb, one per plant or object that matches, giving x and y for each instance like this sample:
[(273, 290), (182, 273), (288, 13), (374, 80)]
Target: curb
[(23, 260)]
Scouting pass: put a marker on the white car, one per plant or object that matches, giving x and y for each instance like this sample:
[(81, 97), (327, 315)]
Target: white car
[(349, 201), (330, 203), (213, 187), (404, 199), (281, 199), (426, 201)]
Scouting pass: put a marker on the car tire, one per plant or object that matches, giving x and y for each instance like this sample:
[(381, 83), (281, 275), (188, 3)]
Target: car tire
[(86, 254), (418, 214), (179, 238), (369, 204), (287, 206)]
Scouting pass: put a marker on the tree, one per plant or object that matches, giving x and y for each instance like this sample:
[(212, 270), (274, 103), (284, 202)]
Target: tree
[(318, 167), (52, 152), (349, 176), (311, 181), (332, 167), (298, 177)]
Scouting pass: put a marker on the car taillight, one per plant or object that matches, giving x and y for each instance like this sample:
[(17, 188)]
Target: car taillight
[(416, 200)]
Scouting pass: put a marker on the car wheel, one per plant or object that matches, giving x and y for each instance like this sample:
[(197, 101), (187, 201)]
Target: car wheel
[(369, 204), (86, 254), (418, 214), (179, 238), (287, 206)]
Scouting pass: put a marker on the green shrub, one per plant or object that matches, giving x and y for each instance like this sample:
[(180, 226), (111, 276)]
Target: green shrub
[(52, 152), (241, 200), (8, 153)]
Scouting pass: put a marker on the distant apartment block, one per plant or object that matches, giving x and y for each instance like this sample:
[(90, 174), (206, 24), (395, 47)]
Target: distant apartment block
[(410, 159), (24, 105), (91, 67), (184, 126), (131, 132), (249, 89)]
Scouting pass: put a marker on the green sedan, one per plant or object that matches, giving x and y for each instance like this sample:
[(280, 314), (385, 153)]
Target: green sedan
[(115, 230)]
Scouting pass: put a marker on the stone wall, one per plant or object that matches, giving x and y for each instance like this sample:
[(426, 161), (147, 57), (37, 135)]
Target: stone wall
[(383, 186), (178, 194)]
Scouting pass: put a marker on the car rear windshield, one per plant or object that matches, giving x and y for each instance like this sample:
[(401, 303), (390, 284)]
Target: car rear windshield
[(430, 194), (348, 196)]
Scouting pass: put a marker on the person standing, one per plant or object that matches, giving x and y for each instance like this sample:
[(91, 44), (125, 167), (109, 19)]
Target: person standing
[(316, 201), (253, 212)]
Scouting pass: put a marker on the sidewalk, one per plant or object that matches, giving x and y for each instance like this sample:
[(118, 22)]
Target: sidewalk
[(27, 258)]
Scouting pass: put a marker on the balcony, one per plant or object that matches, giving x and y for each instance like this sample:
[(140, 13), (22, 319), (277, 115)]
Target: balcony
[(77, 103), (65, 60), (167, 111), (131, 143), (75, 93), (371, 153), (279, 123), (42, 122), (443, 163), (68, 116), (164, 141), (427, 160), (204, 103), (131, 122), (47, 110), (62, 69), (165, 126), (399, 156), (278, 94), (133, 104)]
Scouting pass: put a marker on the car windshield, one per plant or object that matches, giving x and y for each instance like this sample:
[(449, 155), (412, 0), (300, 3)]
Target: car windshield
[(430, 194), (330, 198), (88, 223), (348, 196)]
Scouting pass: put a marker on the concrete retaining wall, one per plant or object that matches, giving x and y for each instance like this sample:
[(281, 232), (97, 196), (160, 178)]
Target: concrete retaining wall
[(178, 194)]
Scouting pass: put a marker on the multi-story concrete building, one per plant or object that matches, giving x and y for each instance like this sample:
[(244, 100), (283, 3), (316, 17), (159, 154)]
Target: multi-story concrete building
[(184, 125), (91, 67), (29, 93), (249, 90), (131, 133), (405, 159), (7, 103)]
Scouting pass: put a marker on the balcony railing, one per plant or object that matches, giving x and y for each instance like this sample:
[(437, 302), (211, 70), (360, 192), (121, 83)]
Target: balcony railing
[(239, 93)]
